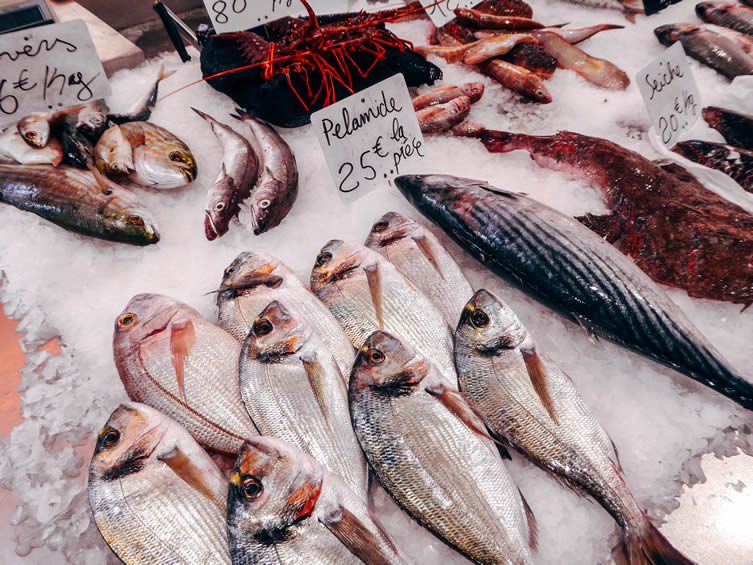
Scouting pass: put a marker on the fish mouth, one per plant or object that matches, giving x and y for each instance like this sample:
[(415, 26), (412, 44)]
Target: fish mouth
[(210, 230)]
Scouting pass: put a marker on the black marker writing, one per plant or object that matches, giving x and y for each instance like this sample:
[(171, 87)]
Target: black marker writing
[(31, 51)]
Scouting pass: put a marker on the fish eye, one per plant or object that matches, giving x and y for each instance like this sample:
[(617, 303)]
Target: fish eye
[(263, 327), (175, 156), (107, 192), (265, 204), (127, 320), (479, 319), (220, 206), (31, 134), (108, 437), (135, 220), (323, 259), (379, 227), (375, 357), (251, 487)]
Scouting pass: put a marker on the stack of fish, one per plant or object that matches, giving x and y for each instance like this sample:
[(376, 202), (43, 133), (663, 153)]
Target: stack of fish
[(499, 39), (391, 365), (726, 46), (734, 158), (93, 143)]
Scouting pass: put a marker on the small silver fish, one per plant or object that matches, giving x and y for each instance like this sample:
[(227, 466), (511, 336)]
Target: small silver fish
[(13, 149)]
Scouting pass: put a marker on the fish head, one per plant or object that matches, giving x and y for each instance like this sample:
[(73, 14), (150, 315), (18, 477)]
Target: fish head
[(488, 325), (336, 261), (433, 195), (387, 364), (268, 206), (273, 486), (713, 11), (125, 219), (92, 119), (147, 319), (253, 273), (473, 90), (220, 209), (35, 130), (166, 164), (390, 228), (128, 441), (670, 33), (277, 332), (712, 116)]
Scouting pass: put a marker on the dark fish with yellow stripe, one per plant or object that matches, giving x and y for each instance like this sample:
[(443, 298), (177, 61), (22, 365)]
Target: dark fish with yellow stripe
[(156, 496), (73, 199), (160, 159)]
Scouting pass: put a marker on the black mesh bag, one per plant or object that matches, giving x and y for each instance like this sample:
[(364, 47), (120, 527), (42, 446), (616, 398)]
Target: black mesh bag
[(275, 100)]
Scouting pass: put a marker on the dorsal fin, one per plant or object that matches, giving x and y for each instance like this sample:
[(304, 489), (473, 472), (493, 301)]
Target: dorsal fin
[(182, 338), (425, 247), (375, 288), (538, 376)]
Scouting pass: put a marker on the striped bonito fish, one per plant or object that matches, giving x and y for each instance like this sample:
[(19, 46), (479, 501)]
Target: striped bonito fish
[(563, 264), (161, 159), (72, 199)]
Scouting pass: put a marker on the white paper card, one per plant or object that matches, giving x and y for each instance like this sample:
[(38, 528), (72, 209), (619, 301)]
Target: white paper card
[(670, 94), (443, 11), (47, 68), (370, 138), (238, 15)]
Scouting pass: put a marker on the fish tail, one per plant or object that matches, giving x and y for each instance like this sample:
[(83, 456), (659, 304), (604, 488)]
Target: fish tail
[(503, 141), (646, 545), (164, 73)]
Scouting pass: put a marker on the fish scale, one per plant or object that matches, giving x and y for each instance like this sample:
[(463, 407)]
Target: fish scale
[(574, 271)]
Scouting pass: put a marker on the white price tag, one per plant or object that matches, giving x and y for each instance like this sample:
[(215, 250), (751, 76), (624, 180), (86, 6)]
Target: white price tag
[(370, 138), (670, 94), (239, 15), (443, 11), (47, 68)]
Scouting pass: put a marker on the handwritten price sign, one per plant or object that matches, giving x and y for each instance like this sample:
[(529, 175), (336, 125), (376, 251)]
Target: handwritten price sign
[(238, 15), (370, 138), (670, 94), (442, 12), (48, 67)]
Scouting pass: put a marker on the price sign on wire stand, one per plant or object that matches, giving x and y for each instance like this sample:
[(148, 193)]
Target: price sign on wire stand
[(443, 11), (238, 15), (370, 138), (670, 94), (47, 68)]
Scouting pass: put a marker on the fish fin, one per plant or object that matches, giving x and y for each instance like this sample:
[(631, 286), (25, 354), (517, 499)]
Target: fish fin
[(101, 180), (583, 323), (360, 540), (646, 544), (375, 288), (423, 244), (606, 225), (537, 373), (182, 338), (194, 476), (317, 380), (746, 306), (616, 453), (457, 403), (164, 73), (533, 528)]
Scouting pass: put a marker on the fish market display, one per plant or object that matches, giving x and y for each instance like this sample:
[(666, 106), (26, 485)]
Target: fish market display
[(417, 254), (73, 199), (736, 128), (719, 52), (527, 400), (574, 271), (172, 359), (727, 14), (277, 187), (678, 231), (238, 175), (294, 391), (156, 496), (734, 162), (160, 159), (13, 149), (253, 280), (285, 507), (366, 293), (424, 446)]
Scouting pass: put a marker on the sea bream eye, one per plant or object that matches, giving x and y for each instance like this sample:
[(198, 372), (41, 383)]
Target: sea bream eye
[(108, 437), (251, 487), (263, 327), (323, 259), (479, 319), (127, 320), (379, 227), (375, 357)]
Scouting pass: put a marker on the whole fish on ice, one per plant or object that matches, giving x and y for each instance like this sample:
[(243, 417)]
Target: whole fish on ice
[(156, 496), (294, 391), (443, 94), (366, 293), (171, 358), (253, 280), (74, 200), (734, 162), (564, 265), (727, 14), (528, 401), (285, 508), (13, 149), (425, 446)]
